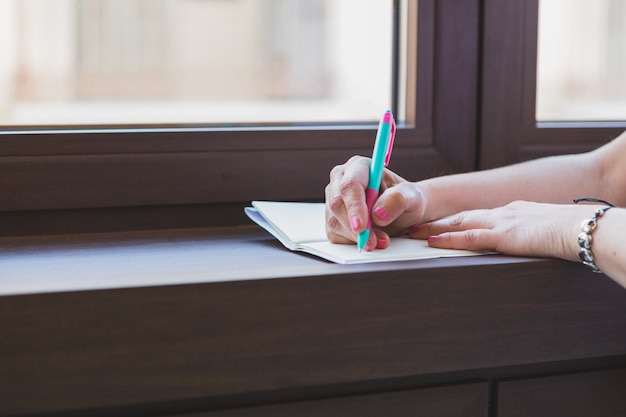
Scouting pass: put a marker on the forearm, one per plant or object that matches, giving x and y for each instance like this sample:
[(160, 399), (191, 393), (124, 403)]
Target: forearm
[(600, 174), (551, 180)]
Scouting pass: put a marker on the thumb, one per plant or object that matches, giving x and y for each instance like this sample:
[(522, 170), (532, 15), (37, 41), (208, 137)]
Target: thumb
[(402, 204)]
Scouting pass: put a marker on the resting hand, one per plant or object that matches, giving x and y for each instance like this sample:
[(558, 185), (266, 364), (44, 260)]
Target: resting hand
[(399, 205), (519, 228)]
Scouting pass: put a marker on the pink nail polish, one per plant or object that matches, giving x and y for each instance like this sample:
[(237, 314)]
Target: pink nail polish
[(381, 213), (368, 246), (355, 223), (432, 238)]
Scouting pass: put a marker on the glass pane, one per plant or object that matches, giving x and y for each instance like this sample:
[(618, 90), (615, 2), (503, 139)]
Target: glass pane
[(194, 61), (581, 72)]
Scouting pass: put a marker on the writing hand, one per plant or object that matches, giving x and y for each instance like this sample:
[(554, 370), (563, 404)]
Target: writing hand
[(399, 205)]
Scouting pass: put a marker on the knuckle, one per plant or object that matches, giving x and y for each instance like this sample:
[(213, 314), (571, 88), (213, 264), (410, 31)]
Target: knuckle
[(337, 171), (348, 189), (348, 183), (332, 224), (328, 191), (517, 205), (335, 203), (396, 196), (472, 236), (458, 221), (356, 159)]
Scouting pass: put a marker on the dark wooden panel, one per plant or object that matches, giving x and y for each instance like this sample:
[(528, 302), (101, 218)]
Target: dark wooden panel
[(370, 327), (31, 183), (455, 401), (501, 81), (47, 222), (64, 182), (456, 81), (578, 395)]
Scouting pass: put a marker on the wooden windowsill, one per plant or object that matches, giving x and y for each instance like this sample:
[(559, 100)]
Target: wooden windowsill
[(202, 319), (83, 262)]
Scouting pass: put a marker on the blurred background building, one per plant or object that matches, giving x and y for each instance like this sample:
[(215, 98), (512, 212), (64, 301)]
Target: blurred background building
[(582, 60), (186, 61), (263, 61)]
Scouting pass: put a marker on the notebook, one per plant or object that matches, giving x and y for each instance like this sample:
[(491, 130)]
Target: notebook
[(301, 227)]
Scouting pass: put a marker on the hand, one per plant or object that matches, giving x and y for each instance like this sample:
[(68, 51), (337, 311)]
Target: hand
[(399, 205), (519, 228)]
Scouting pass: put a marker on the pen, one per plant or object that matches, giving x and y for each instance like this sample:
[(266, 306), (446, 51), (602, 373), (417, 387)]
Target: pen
[(380, 159)]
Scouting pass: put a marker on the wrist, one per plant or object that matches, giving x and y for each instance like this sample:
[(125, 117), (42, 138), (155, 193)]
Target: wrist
[(572, 232), (585, 239)]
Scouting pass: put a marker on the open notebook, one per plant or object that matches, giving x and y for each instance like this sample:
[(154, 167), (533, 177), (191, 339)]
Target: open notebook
[(301, 227)]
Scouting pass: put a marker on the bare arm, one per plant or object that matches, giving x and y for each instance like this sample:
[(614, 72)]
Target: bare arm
[(559, 179), (522, 209), (536, 228)]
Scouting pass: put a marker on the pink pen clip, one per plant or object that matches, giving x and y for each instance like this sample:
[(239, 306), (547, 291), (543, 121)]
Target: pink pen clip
[(388, 118)]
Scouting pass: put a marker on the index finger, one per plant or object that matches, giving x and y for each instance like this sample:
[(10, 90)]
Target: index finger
[(351, 187)]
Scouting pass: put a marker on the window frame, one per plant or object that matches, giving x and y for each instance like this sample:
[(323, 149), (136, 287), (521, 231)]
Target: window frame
[(509, 130), (74, 171)]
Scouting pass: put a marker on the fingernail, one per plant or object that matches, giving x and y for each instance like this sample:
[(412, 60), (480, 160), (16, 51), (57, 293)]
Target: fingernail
[(432, 238), (381, 213), (414, 229), (355, 223), (368, 246)]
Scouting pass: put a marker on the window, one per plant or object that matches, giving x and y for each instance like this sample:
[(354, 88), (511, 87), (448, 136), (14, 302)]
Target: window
[(581, 60), (513, 127), (148, 176), (138, 62)]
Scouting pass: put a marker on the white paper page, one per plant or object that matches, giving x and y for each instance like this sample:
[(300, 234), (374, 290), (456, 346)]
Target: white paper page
[(258, 218), (400, 249), (301, 226), (299, 222)]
